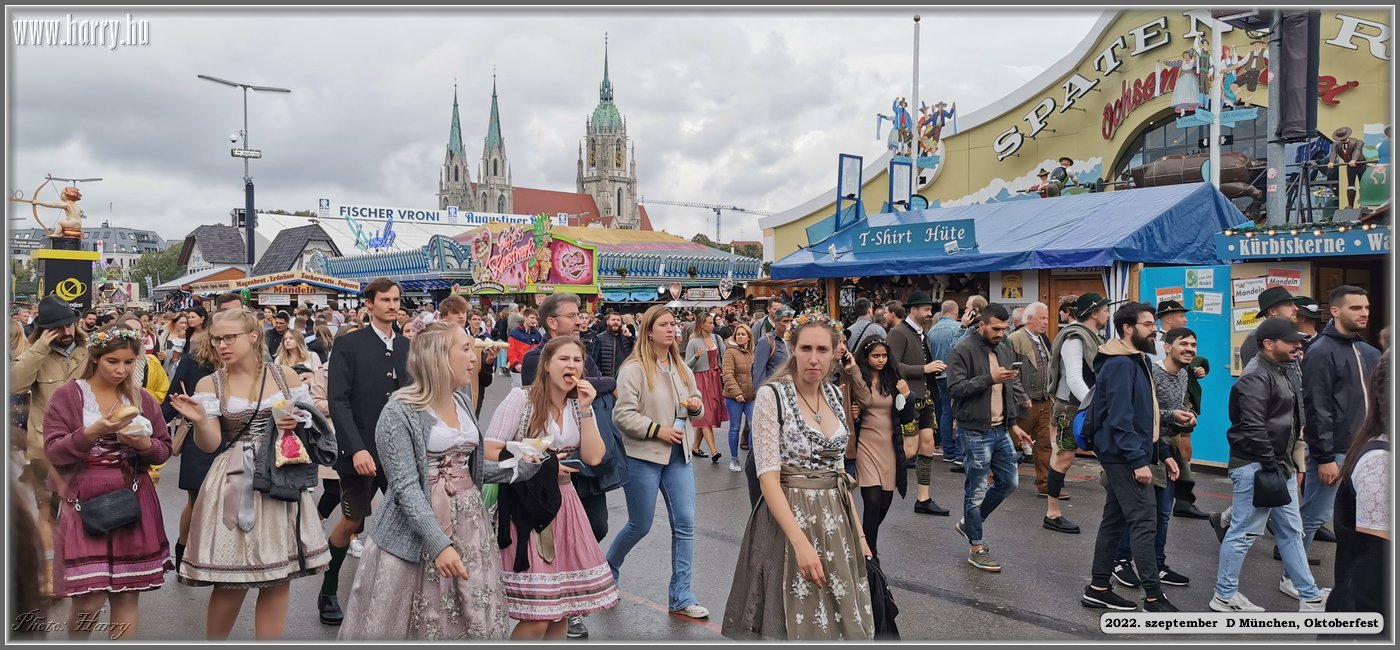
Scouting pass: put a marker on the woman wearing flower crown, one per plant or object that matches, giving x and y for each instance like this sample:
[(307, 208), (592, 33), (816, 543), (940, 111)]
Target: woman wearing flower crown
[(801, 572), (101, 434)]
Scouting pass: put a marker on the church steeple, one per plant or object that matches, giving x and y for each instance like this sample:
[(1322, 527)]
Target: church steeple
[(493, 130), (454, 139), (605, 90)]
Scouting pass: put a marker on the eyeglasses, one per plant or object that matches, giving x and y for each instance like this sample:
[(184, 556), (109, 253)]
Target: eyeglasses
[(226, 339)]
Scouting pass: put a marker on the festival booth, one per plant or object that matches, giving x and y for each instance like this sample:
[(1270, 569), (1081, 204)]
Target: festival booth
[(1124, 236), (284, 290), (429, 271), (515, 264)]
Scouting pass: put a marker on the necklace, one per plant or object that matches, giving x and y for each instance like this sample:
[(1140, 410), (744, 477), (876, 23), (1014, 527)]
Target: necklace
[(809, 405)]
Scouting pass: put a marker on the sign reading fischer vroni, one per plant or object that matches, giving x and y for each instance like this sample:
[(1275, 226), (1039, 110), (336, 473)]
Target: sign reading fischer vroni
[(938, 237)]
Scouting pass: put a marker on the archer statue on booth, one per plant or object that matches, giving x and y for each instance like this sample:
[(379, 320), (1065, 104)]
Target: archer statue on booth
[(71, 223)]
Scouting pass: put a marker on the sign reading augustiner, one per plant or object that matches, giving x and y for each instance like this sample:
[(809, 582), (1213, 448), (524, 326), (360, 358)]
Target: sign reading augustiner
[(941, 237)]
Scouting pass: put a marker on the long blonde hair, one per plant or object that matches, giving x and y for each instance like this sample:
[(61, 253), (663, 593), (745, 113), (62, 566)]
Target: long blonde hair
[(284, 359), (644, 354), (430, 375), (539, 391), (249, 322)]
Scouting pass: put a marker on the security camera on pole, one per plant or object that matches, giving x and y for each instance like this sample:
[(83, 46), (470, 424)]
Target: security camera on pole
[(249, 214)]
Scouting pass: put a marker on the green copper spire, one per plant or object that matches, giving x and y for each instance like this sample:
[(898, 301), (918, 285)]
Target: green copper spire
[(606, 117), (454, 139), (493, 132)]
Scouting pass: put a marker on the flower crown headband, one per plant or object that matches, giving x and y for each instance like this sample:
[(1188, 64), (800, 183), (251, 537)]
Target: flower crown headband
[(104, 337), (810, 316)]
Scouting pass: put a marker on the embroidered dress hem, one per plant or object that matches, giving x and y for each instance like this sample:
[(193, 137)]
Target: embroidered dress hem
[(578, 582)]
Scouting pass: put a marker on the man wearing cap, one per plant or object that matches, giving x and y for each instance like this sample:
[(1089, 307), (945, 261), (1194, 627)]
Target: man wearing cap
[(1071, 376), (1349, 152), (1309, 319), (1059, 177), (55, 355), (1274, 302), (1171, 315), (1265, 408), (1336, 371), (909, 350)]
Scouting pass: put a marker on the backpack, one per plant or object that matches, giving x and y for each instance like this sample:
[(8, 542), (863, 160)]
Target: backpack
[(1083, 425)]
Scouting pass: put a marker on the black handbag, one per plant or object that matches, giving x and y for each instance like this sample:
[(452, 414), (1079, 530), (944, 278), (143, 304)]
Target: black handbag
[(105, 513), (1271, 488)]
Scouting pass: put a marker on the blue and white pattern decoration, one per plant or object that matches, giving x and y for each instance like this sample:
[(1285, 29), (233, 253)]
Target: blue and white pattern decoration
[(1115, 279)]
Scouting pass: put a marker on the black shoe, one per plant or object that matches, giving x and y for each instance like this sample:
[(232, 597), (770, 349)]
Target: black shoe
[(1125, 574), (1325, 534), (577, 630), (1168, 577), (1106, 599), (958, 468), (1217, 522), (1060, 524), (330, 609), (1315, 561), (1188, 511), (699, 454), (1159, 605), (715, 458), (930, 507)]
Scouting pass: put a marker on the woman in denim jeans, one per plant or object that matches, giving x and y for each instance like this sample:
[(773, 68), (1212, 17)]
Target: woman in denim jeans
[(738, 389), (656, 394)]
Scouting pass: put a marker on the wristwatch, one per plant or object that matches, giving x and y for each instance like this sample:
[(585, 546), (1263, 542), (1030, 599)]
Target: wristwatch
[(585, 414)]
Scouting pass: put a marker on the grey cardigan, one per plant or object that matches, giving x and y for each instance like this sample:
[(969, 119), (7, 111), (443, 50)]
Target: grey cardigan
[(407, 527), (696, 354)]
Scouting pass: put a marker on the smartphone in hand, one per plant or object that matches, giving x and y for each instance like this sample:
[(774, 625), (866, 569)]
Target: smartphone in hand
[(574, 463)]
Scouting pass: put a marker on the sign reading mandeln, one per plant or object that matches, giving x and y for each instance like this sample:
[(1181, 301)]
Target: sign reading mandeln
[(938, 237)]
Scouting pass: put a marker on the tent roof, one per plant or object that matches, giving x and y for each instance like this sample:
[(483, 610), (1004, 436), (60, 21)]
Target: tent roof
[(1159, 225)]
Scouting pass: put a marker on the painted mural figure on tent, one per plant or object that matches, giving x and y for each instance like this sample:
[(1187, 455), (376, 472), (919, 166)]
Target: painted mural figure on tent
[(932, 119), (901, 138), (1250, 70), (1186, 97)]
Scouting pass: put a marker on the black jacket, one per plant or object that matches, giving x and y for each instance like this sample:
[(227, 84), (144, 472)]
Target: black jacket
[(1124, 407), (970, 384), (609, 351), (274, 341), (1264, 416), (362, 374), (1336, 369), (530, 365), (526, 507)]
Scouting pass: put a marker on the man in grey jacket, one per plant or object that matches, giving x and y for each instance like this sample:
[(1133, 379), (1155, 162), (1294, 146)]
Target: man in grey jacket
[(987, 400), (770, 350), (865, 326)]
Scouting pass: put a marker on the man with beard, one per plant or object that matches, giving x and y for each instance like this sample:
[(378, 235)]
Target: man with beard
[(55, 355), (1171, 315), (89, 323), (987, 400), (611, 347), (1274, 302), (1126, 431), (1265, 423), (1336, 371), (1176, 421)]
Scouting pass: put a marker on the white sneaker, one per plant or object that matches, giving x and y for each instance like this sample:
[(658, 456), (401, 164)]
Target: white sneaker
[(356, 547), (693, 611), (1236, 603), (734, 466), (1286, 586), (1318, 604)]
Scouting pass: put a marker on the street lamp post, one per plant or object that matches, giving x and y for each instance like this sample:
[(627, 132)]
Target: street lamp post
[(249, 215)]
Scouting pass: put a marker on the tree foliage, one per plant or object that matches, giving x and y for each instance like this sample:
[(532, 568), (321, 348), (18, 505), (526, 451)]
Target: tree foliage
[(162, 266)]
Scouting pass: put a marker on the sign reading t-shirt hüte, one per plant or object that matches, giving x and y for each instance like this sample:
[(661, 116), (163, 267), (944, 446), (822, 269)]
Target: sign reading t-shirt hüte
[(937, 237)]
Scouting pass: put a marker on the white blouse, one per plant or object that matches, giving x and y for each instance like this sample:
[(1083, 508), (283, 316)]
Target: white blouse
[(1371, 479), (212, 408), (443, 437)]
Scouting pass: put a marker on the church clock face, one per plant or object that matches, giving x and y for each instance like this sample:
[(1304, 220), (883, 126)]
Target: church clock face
[(620, 158), (592, 156)]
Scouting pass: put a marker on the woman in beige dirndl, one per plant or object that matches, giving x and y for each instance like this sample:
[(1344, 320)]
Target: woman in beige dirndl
[(801, 573)]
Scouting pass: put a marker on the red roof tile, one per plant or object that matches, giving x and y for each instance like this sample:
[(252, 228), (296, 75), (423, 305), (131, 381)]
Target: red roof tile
[(534, 201)]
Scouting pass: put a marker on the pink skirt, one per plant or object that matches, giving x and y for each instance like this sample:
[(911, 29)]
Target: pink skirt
[(131, 558), (711, 386), (577, 583)]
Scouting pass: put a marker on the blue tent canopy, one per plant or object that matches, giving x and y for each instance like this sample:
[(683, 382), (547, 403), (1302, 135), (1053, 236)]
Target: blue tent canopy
[(1159, 225)]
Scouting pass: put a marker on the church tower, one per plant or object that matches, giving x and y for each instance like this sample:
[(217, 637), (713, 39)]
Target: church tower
[(607, 171), (493, 187), (454, 185)]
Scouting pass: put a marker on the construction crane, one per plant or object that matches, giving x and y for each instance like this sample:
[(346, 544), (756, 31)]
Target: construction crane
[(708, 206)]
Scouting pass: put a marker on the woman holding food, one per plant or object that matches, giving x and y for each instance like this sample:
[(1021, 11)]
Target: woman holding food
[(101, 434)]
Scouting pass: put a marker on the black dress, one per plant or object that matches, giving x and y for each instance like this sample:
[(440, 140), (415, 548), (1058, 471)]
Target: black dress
[(194, 462)]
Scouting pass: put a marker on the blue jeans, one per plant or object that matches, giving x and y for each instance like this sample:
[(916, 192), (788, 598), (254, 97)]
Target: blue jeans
[(1318, 500), (1165, 498), (991, 450), (943, 408), (1247, 524), (677, 485), (739, 414)]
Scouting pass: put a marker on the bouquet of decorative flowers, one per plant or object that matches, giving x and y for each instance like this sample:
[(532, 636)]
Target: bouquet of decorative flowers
[(104, 337), (808, 316)]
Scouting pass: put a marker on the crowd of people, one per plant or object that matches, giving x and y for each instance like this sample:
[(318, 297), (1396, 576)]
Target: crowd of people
[(482, 523)]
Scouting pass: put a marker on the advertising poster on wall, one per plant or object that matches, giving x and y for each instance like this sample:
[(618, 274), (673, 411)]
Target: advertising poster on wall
[(1245, 319), (1290, 279), (1200, 278), (532, 260), (1248, 289)]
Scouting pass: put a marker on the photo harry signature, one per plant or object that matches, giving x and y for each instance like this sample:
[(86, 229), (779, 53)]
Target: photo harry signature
[(34, 622)]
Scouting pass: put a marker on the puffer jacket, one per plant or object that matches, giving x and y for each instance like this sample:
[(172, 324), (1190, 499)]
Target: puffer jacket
[(1264, 416), (1336, 371), (735, 368)]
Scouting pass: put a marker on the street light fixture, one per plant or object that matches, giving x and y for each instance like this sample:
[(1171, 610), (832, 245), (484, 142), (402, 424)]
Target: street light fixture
[(249, 215)]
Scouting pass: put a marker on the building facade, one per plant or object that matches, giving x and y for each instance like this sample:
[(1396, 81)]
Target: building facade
[(119, 247), (607, 162)]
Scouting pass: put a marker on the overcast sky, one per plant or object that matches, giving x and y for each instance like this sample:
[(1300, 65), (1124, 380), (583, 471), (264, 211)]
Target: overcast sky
[(742, 108)]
